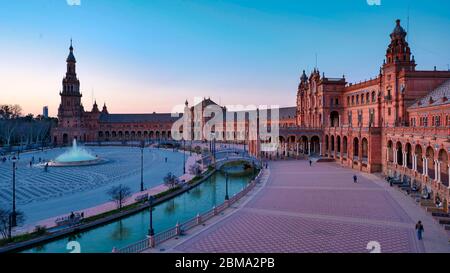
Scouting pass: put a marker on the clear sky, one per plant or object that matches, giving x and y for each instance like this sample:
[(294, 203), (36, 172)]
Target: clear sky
[(149, 55)]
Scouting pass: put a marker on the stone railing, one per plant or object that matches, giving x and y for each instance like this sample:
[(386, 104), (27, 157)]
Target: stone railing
[(179, 229), (442, 132)]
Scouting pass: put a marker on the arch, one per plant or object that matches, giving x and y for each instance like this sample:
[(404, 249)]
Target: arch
[(365, 150), (355, 148), (334, 119), (399, 155), (338, 148), (408, 150), (114, 134), (120, 134), (443, 159), (344, 146), (163, 134), (315, 145), (100, 134), (304, 144), (157, 135), (151, 135), (332, 143), (430, 162), (390, 151), (419, 154), (65, 139)]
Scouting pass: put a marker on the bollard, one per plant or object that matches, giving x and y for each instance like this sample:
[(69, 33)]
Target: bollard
[(178, 229), (199, 219)]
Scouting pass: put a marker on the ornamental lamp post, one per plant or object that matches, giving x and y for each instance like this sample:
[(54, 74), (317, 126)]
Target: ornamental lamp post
[(184, 156), (226, 187), (151, 231), (13, 214), (142, 165)]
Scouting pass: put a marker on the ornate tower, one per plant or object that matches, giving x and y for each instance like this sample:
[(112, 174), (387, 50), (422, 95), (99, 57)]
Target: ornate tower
[(70, 110), (398, 52), (398, 60)]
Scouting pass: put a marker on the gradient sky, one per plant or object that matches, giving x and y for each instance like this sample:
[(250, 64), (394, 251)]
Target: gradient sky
[(145, 56)]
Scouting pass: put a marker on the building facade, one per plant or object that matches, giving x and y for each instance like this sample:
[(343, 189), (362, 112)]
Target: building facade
[(397, 123)]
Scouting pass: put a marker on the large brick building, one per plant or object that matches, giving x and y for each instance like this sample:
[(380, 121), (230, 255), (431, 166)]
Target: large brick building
[(396, 123)]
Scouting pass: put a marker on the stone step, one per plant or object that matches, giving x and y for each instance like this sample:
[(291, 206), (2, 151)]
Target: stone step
[(441, 214), (427, 203), (431, 210), (443, 220)]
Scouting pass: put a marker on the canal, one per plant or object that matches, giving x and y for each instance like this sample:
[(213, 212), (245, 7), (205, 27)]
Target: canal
[(135, 227)]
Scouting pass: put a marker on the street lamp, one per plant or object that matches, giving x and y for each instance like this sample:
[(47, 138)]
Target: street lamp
[(226, 187), (13, 214), (184, 156), (142, 166), (151, 232)]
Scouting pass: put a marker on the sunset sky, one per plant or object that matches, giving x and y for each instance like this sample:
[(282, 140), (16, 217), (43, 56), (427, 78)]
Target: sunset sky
[(146, 56)]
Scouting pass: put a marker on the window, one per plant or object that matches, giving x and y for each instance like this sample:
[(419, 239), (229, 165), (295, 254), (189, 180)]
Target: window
[(373, 96), (389, 111), (362, 98), (359, 117), (357, 99), (425, 122), (438, 121), (367, 98), (371, 117), (350, 118), (337, 101), (348, 101), (353, 100)]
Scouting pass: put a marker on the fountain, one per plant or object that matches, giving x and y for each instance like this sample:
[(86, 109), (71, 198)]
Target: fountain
[(76, 156)]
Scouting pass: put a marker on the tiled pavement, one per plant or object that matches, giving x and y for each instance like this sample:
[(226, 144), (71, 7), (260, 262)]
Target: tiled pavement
[(317, 209)]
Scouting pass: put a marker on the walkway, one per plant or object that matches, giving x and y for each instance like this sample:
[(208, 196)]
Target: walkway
[(320, 209), (109, 206)]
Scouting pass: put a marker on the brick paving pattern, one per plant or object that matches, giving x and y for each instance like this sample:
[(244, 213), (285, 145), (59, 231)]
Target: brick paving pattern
[(312, 209)]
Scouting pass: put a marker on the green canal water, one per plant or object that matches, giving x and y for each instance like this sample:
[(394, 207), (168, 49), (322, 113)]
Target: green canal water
[(135, 227)]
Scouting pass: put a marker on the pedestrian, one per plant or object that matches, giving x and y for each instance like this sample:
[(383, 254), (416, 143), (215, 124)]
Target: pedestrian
[(166, 159), (355, 179), (310, 163), (31, 164), (420, 230)]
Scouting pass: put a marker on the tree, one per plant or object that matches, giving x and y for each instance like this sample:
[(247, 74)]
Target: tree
[(170, 180), (5, 221), (119, 194), (195, 169)]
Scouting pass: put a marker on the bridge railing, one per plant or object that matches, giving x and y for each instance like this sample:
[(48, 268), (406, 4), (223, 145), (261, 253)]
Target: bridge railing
[(178, 230)]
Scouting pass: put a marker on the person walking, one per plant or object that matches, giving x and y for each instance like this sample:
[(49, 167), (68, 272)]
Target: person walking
[(355, 179), (419, 230), (310, 163)]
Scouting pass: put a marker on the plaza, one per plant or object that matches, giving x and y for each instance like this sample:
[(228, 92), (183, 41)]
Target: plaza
[(303, 209), (41, 195)]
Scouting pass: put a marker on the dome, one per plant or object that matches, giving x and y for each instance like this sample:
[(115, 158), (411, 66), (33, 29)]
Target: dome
[(398, 30), (71, 57), (304, 78)]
